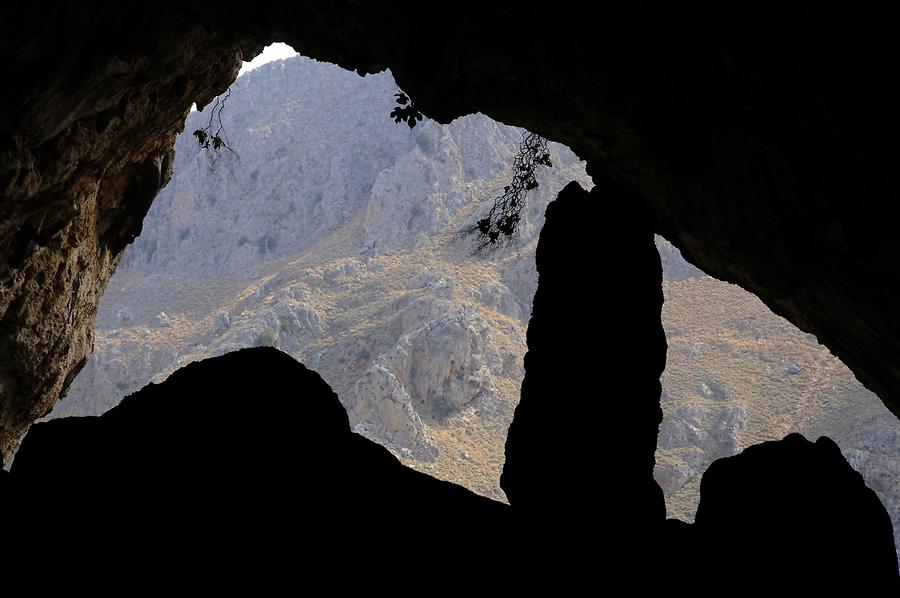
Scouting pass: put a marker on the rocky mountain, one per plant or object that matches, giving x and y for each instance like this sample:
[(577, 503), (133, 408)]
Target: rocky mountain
[(331, 235)]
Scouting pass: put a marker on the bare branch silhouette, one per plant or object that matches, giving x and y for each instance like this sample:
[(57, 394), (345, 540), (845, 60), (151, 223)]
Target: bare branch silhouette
[(501, 223)]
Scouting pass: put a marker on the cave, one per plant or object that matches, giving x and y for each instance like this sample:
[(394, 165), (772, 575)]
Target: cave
[(339, 242), (765, 159)]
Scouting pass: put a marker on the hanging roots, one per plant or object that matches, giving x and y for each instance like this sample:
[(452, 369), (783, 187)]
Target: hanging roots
[(500, 225)]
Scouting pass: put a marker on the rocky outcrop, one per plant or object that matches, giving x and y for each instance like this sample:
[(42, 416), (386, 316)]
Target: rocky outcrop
[(804, 517), (789, 513), (258, 450), (385, 414), (447, 363), (547, 449), (435, 371)]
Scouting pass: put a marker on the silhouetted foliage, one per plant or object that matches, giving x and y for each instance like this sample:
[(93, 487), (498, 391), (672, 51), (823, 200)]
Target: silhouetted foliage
[(215, 143), (501, 223), (406, 110)]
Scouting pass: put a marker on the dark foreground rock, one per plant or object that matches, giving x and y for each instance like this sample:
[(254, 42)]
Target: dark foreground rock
[(244, 466), (556, 469), (246, 461), (246, 456), (801, 514)]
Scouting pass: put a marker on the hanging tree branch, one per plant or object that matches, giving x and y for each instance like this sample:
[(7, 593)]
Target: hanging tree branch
[(214, 142), (500, 225), (405, 110)]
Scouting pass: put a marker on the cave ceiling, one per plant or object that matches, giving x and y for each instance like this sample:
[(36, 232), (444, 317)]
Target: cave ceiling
[(760, 139)]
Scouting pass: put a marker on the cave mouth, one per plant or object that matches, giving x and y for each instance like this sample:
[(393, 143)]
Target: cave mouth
[(737, 375), (655, 74), (708, 414), (329, 231)]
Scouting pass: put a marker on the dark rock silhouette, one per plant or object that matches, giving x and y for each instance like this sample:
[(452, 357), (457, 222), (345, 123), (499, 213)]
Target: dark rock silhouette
[(226, 456), (552, 471), (795, 512)]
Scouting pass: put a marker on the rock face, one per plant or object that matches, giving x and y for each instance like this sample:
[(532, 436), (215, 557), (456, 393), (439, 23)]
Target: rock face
[(312, 146), (81, 164)]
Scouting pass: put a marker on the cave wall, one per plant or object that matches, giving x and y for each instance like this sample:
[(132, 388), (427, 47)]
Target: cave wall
[(91, 106), (759, 136)]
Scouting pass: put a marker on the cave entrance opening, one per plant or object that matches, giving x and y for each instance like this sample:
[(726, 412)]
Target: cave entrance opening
[(329, 236), (329, 233), (736, 375)]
